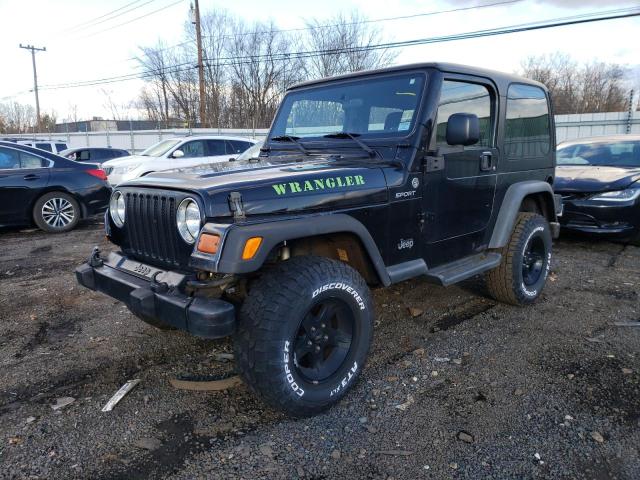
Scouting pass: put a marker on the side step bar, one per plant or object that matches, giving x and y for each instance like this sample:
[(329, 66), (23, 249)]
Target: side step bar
[(464, 268), (448, 273)]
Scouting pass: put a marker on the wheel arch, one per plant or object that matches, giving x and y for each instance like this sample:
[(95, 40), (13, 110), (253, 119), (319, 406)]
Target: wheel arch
[(322, 235), (57, 188), (521, 197)]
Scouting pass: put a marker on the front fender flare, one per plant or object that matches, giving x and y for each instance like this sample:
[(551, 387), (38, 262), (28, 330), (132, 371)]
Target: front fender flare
[(234, 237)]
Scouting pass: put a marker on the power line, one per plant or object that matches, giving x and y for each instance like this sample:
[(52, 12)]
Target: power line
[(132, 20), (377, 20), (83, 25), (230, 61)]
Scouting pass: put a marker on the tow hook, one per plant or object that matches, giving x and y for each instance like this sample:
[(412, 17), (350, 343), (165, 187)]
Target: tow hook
[(158, 287), (94, 259)]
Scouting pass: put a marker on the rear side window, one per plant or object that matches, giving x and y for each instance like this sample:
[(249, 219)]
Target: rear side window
[(216, 147), (44, 146), (527, 131), (463, 97), (31, 161), (237, 146), (61, 146)]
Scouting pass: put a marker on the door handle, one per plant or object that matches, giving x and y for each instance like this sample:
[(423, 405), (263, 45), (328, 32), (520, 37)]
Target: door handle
[(31, 176), (486, 162)]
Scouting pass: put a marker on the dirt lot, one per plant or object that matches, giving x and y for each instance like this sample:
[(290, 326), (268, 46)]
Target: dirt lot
[(466, 389)]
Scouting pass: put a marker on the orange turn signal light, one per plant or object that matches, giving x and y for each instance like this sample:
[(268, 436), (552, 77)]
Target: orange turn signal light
[(251, 246), (208, 243)]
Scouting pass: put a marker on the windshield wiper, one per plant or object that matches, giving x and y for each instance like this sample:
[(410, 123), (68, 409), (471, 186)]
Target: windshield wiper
[(354, 137), (292, 139)]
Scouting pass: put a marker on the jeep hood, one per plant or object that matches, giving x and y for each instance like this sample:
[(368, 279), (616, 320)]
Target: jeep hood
[(276, 187), (126, 161), (592, 179)]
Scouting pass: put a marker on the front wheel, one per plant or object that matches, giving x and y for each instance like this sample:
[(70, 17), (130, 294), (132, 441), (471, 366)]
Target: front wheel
[(526, 260), (304, 333)]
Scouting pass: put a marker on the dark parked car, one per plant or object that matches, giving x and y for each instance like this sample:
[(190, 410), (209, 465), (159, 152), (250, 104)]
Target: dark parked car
[(93, 154), (598, 179), (46, 189)]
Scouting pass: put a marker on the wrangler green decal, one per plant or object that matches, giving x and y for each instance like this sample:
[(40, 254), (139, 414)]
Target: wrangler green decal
[(318, 184)]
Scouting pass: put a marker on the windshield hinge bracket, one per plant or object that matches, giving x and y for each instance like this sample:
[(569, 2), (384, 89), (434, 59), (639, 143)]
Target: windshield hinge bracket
[(235, 205)]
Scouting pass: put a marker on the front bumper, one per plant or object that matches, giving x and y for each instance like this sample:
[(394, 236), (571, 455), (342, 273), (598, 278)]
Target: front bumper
[(157, 294), (588, 216)]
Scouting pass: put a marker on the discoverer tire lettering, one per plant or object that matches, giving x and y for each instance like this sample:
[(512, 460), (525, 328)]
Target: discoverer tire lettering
[(267, 339)]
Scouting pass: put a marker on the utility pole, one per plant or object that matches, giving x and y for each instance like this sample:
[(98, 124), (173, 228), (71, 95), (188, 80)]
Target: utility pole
[(196, 21), (35, 77)]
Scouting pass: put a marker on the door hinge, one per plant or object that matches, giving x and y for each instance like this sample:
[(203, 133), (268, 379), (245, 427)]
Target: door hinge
[(433, 164)]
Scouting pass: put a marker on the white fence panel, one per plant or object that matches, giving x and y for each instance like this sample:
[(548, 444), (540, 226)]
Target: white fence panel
[(568, 127)]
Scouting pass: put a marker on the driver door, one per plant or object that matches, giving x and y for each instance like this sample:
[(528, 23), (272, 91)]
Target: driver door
[(459, 190)]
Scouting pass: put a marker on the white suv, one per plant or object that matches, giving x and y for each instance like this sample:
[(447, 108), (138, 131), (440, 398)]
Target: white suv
[(175, 153), (50, 146)]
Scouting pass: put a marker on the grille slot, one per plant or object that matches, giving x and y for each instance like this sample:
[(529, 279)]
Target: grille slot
[(152, 235)]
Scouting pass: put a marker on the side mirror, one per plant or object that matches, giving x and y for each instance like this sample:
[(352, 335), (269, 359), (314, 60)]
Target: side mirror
[(177, 154), (463, 129)]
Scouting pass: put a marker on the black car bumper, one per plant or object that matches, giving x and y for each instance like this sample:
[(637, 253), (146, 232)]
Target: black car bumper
[(156, 294), (588, 216)]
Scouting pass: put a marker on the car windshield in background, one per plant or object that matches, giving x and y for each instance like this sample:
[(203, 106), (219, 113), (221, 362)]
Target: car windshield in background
[(612, 154), (160, 148), (375, 107)]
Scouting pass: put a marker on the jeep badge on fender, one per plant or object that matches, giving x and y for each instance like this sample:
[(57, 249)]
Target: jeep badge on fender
[(364, 180)]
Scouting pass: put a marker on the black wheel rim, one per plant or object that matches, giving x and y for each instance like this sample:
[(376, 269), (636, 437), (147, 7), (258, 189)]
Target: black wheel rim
[(533, 260), (323, 340)]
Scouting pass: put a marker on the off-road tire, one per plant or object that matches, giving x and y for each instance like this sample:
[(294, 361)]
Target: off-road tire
[(505, 283), (270, 320), (39, 219)]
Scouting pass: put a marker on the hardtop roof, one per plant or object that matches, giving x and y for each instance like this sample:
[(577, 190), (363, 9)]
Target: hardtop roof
[(501, 79)]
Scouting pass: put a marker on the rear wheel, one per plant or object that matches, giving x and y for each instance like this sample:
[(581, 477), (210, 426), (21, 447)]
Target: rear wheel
[(56, 212), (526, 261), (304, 333)]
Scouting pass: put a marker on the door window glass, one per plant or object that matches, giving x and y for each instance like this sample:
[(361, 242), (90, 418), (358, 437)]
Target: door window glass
[(193, 149), (216, 147), (238, 146), (61, 146), (463, 97), (527, 132), (82, 155), (44, 146), (9, 158), (30, 161)]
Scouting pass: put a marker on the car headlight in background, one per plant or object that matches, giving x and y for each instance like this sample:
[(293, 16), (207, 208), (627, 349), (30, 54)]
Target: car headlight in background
[(117, 208), (626, 195), (188, 220)]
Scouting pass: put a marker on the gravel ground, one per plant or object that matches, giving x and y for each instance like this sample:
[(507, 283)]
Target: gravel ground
[(457, 387)]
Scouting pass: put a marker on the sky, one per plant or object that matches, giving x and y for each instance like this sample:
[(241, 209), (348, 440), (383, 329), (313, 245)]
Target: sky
[(77, 51)]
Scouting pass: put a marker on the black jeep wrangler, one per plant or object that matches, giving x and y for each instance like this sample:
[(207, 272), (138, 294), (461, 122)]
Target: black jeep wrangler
[(366, 179)]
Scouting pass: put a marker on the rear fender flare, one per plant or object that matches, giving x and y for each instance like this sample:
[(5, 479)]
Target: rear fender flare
[(511, 207)]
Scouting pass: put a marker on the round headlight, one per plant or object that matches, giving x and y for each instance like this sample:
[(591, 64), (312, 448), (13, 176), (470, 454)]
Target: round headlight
[(189, 220), (117, 208)]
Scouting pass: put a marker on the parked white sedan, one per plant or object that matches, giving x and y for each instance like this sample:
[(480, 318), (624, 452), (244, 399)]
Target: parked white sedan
[(173, 153)]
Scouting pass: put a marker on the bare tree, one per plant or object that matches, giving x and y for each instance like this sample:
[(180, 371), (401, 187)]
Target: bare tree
[(17, 117), (589, 88), (343, 44)]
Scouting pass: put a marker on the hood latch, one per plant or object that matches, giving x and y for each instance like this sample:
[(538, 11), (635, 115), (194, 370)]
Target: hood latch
[(235, 205)]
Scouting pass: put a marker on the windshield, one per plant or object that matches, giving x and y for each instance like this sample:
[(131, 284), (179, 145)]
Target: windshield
[(251, 152), (370, 107), (160, 148), (623, 153)]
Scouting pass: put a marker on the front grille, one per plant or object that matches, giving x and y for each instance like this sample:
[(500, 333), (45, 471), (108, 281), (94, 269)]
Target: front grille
[(152, 235), (567, 197), (107, 170)]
